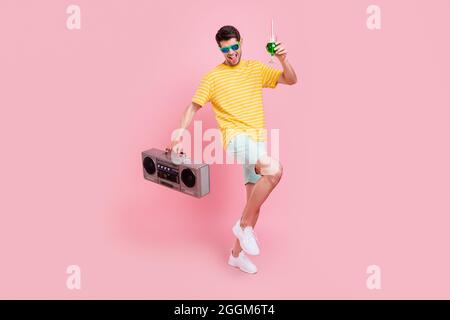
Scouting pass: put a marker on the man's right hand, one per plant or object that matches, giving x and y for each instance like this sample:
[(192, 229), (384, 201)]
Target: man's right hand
[(175, 146), (188, 115)]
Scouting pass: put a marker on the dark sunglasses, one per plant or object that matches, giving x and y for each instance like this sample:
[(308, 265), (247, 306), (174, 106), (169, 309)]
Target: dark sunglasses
[(235, 47)]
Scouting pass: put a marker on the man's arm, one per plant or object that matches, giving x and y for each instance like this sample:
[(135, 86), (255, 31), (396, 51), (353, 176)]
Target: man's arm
[(288, 76), (186, 120)]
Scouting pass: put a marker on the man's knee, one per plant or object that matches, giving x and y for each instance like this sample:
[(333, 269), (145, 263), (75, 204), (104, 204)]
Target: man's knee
[(270, 167), (276, 177)]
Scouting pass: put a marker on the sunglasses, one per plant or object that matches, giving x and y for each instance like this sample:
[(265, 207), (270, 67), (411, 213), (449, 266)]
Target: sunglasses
[(233, 46)]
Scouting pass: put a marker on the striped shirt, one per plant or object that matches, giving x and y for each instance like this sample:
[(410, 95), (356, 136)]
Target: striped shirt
[(235, 93)]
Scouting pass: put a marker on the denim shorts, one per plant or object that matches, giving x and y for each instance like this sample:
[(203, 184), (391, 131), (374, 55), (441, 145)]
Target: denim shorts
[(247, 151)]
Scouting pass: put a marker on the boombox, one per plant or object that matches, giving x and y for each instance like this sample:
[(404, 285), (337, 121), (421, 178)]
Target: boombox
[(176, 172)]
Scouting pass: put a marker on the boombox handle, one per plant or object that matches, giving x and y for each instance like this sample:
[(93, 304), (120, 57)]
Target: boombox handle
[(181, 153)]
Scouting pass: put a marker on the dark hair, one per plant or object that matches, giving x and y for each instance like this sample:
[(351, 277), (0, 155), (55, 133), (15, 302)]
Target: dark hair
[(226, 33)]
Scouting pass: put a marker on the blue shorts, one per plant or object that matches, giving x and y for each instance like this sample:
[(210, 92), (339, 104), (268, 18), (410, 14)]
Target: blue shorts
[(247, 152)]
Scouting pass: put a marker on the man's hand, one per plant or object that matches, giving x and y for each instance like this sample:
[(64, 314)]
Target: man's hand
[(288, 76), (280, 52), (175, 146)]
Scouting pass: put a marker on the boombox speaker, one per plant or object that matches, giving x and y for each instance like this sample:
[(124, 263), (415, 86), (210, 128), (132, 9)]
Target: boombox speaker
[(176, 172)]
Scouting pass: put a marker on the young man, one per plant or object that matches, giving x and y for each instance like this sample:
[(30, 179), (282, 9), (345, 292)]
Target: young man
[(235, 90)]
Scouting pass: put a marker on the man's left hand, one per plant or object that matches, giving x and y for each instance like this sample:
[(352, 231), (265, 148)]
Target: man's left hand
[(280, 52)]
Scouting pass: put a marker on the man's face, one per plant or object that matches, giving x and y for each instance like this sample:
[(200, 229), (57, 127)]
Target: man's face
[(232, 57)]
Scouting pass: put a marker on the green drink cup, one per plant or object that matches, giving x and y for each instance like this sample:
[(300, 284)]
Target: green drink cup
[(270, 47)]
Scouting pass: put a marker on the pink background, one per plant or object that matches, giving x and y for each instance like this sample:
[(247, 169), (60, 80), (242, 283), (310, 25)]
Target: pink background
[(364, 143)]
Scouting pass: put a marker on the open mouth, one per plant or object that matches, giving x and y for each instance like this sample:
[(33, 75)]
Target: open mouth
[(233, 58)]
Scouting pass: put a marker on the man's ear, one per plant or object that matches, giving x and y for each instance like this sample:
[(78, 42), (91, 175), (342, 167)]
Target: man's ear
[(241, 41)]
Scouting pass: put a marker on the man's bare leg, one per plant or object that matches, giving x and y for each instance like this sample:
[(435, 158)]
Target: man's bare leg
[(258, 193), (237, 247), (272, 171)]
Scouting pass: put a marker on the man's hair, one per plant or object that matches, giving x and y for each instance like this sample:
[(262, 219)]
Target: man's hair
[(226, 33)]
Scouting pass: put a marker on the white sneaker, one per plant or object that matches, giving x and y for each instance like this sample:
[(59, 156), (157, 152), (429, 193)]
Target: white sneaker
[(242, 262), (247, 238)]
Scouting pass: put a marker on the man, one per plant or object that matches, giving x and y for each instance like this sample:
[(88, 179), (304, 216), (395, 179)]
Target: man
[(235, 90)]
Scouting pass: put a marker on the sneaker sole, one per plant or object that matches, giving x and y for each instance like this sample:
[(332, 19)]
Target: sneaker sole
[(241, 269)]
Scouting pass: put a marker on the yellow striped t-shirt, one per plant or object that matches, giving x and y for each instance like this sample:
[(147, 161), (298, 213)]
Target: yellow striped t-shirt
[(235, 93)]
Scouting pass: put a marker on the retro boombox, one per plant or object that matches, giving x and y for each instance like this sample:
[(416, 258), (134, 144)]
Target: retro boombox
[(176, 171)]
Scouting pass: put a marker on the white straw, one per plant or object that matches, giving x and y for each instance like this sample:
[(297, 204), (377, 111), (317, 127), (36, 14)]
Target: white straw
[(272, 37)]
